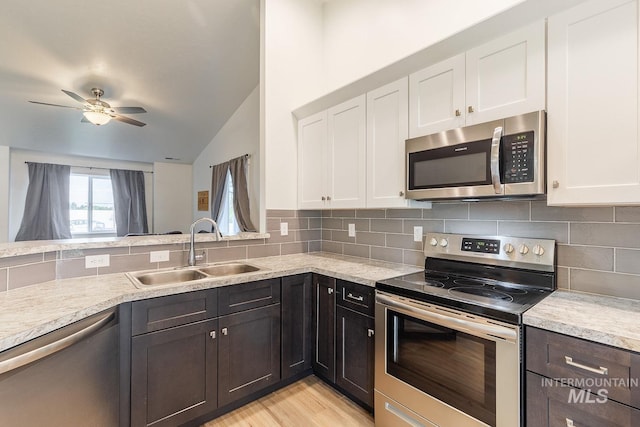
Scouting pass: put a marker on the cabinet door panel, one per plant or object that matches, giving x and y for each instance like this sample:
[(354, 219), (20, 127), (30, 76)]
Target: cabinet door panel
[(296, 324), (506, 76), (312, 142), (593, 145), (387, 127), (436, 94), (346, 153), (324, 305), (249, 352), (173, 375)]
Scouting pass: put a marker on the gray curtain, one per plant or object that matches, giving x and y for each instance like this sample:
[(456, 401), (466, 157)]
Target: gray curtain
[(218, 179), (129, 201), (46, 210), (238, 170)]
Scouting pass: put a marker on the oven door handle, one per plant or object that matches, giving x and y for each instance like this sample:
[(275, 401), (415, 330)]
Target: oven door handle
[(495, 160), (489, 331)]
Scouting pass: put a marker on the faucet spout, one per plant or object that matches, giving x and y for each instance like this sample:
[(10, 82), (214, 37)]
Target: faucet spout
[(192, 249)]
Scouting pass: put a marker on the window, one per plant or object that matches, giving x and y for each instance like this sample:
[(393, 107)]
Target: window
[(91, 208), (227, 221)]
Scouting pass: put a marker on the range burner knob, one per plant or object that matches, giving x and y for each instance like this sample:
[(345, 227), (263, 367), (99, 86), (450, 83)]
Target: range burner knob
[(508, 248), (433, 241), (444, 243), (538, 250), (523, 249)]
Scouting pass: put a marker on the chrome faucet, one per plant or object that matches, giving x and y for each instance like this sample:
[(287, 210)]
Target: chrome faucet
[(192, 249)]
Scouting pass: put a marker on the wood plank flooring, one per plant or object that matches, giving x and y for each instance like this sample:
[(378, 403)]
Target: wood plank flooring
[(308, 402)]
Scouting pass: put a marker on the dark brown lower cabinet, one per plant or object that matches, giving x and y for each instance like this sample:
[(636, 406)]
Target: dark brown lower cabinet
[(248, 352), (174, 374), (355, 347), (296, 325), (324, 306)]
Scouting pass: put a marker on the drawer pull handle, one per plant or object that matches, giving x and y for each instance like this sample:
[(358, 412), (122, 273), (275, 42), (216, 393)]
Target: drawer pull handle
[(359, 298), (225, 331), (370, 332), (570, 422), (601, 370), (212, 334)]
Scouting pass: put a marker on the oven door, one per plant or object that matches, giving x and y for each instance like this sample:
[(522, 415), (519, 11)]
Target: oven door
[(449, 367)]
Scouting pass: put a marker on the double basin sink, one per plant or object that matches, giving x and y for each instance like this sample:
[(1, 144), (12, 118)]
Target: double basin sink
[(189, 274)]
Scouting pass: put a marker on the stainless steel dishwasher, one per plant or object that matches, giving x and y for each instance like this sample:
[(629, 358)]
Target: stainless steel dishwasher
[(69, 377)]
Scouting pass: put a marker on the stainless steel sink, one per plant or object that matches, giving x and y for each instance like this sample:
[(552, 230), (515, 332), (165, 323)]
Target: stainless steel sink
[(167, 277), (228, 269), (179, 276)]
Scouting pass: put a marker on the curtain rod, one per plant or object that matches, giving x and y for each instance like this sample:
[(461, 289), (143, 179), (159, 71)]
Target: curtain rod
[(248, 156), (95, 167)]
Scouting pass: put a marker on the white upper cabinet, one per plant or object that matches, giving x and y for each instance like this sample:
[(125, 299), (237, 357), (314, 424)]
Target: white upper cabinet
[(592, 120), (502, 78), (387, 129), (312, 147), (346, 154)]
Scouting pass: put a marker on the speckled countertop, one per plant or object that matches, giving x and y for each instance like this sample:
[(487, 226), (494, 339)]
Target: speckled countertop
[(32, 311), (606, 320)]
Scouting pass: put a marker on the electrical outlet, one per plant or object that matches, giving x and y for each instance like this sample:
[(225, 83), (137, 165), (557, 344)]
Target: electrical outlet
[(284, 228), (417, 233), (352, 230), (94, 261), (158, 256)]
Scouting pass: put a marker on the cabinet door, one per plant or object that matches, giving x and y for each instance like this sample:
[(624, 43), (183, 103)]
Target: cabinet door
[(249, 352), (296, 324), (592, 138), (387, 126), (346, 154), (312, 143), (506, 76), (436, 97), (173, 374), (355, 341), (324, 306)]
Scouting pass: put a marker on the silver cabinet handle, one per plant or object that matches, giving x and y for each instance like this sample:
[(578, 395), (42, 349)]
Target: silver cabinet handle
[(54, 347), (555, 184), (570, 422), (600, 370), (370, 332), (401, 193), (224, 331), (328, 198), (495, 160), (324, 198), (359, 298), (470, 109), (329, 291), (458, 113), (212, 334)]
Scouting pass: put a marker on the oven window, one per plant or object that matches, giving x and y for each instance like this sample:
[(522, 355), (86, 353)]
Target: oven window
[(454, 367)]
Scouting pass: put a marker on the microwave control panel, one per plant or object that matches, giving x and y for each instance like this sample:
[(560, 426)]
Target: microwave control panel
[(517, 156)]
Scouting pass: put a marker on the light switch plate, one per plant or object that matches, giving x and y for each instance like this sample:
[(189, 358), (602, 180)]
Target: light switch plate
[(94, 261), (417, 233), (158, 256), (284, 228), (352, 230)]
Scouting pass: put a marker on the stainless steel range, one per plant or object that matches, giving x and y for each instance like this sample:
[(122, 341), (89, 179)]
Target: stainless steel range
[(449, 353)]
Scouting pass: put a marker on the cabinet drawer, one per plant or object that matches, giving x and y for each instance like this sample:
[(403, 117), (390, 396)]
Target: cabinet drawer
[(551, 404), (155, 314), (357, 297), (584, 362), (236, 298)]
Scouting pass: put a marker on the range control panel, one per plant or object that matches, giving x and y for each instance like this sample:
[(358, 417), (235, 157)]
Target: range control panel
[(538, 254), (517, 157)]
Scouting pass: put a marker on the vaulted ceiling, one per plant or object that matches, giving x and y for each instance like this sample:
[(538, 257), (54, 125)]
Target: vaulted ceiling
[(189, 63)]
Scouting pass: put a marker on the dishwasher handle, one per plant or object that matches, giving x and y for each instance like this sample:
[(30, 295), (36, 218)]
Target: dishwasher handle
[(54, 347)]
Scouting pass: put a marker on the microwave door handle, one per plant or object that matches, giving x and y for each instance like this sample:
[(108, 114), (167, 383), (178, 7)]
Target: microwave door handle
[(495, 160)]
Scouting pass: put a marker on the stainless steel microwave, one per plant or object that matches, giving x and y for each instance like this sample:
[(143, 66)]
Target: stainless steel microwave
[(498, 159)]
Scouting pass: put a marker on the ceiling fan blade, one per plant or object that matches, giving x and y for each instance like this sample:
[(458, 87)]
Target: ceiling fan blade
[(54, 105), (128, 120), (129, 110), (75, 96)]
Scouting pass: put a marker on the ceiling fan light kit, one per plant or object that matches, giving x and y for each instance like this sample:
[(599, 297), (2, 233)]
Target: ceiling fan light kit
[(97, 117)]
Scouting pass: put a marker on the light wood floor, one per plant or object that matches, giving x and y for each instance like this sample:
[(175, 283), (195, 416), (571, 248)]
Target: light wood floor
[(308, 402)]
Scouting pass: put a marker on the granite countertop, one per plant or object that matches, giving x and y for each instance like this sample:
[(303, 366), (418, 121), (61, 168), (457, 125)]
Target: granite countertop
[(606, 320), (32, 311)]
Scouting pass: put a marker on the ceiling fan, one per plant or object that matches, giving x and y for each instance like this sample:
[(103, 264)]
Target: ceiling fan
[(99, 112)]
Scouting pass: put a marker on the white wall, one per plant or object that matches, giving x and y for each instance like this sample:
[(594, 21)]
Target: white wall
[(291, 75), (362, 36), (172, 197), (4, 192), (240, 135), (19, 179)]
